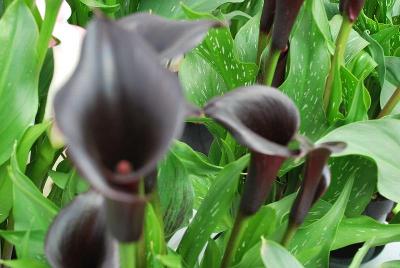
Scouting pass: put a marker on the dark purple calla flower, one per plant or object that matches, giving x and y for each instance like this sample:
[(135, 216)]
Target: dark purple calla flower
[(267, 16), (316, 180), (119, 113), (285, 16), (264, 120), (78, 237), (351, 8)]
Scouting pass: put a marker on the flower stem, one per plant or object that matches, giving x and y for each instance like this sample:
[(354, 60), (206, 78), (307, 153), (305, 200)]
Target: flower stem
[(270, 66), (290, 232), (337, 58), (392, 102), (234, 239), (358, 258), (52, 7), (127, 255)]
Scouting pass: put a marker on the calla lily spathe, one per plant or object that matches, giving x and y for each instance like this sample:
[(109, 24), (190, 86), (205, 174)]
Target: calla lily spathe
[(264, 120), (351, 8), (121, 109)]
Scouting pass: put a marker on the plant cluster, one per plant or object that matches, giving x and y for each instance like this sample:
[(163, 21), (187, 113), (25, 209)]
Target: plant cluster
[(245, 133)]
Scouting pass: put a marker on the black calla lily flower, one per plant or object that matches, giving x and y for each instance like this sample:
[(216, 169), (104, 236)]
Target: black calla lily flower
[(285, 16), (119, 113), (169, 38), (267, 16), (264, 120), (316, 180), (351, 8), (78, 237)]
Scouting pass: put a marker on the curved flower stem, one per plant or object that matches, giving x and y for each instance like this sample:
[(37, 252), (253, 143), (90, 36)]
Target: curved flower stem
[(270, 65), (46, 30), (392, 102), (337, 58), (358, 258), (127, 255), (234, 239), (290, 232)]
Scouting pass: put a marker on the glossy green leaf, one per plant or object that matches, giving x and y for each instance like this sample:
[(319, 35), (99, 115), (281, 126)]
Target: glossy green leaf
[(172, 8), (19, 75), (246, 40), (384, 151), (393, 70), (61, 180), (31, 209), (391, 264), (176, 193), (274, 255), (308, 69), (154, 236), (215, 205), (320, 234), (29, 244), (6, 198), (212, 255), (23, 263), (170, 260), (361, 229)]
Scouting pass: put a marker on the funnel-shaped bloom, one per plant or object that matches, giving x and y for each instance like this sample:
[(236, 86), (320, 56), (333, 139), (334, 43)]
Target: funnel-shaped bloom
[(78, 236), (285, 16), (267, 16), (119, 113), (264, 120), (316, 180), (351, 8)]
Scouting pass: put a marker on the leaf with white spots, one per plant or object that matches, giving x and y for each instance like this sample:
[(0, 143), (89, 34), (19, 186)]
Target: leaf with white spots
[(309, 67), (215, 205), (246, 40), (364, 172), (320, 234), (212, 68)]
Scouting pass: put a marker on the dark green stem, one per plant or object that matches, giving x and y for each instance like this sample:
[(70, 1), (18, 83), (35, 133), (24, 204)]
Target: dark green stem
[(127, 255), (337, 59), (270, 66), (290, 232), (234, 240), (392, 102)]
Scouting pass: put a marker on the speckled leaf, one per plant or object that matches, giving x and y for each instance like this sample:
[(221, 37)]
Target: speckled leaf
[(246, 40), (173, 9), (320, 234), (215, 205), (364, 172), (212, 68), (384, 151), (28, 244), (309, 66)]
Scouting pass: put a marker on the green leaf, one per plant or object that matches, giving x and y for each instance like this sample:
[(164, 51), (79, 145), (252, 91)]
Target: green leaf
[(393, 70), (23, 263), (196, 163), (384, 149), (246, 40), (320, 234), (215, 205), (170, 260), (172, 8), (274, 255), (364, 172), (212, 255), (31, 209), (262, 224), (99, 4), (309, 66), (6, 198), (212, 68), (154, 236), (176, 193), (363, 228), (391, 264), (19, 75), (61, 180)]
